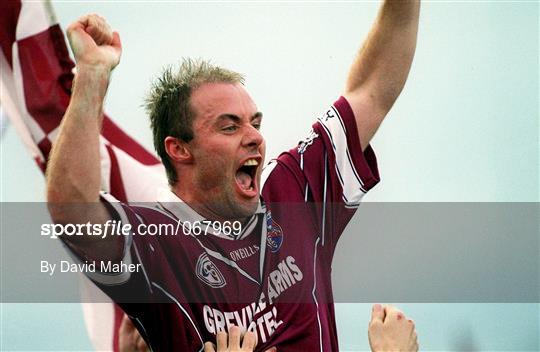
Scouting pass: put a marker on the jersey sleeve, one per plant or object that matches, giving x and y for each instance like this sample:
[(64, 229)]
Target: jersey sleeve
[(126, 281), (352, 172), (157, 281), (331, 169)]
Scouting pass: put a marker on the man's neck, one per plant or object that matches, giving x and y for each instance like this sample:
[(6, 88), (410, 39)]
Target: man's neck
[(202, 208)]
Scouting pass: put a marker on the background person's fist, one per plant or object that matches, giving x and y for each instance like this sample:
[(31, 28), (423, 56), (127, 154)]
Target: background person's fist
[(129, 339), (94, 43), (234, 341), (390, 330)]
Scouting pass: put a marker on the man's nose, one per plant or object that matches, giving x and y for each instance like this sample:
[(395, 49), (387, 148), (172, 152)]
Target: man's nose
[(252, 138)]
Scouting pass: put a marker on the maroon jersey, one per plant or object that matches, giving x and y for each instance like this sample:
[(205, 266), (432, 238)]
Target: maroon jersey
[(273, 276)]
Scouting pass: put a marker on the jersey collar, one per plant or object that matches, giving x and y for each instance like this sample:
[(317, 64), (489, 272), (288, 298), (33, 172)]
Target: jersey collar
[(182, 211)]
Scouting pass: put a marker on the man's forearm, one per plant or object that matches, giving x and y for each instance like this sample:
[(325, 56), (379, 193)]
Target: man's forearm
[(74, 171), (400, 12), (385, 59), (74, 168)]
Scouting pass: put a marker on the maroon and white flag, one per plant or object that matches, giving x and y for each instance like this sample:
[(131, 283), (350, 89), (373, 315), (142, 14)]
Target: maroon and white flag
[(36, 79)]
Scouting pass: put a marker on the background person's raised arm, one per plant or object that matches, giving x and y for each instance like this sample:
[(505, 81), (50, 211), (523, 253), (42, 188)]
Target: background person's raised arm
[(380, 70), (73, 175)]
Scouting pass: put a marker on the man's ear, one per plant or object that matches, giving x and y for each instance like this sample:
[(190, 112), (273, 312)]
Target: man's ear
[(178, 150)]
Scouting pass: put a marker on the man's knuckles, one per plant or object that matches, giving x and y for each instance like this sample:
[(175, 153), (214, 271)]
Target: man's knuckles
[(395, 315), (95, 26), (100, 31)]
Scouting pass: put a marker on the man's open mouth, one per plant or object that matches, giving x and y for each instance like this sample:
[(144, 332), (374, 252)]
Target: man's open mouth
[(246, 174)]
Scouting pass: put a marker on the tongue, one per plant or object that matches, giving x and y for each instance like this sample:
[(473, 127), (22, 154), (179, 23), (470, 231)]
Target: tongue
[(243, 179)]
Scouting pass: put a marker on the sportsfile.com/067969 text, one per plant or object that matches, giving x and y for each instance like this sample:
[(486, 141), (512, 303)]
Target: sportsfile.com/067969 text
[(117, 228)]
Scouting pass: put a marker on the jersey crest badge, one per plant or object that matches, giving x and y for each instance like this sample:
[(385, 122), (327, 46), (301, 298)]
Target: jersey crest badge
[(209, 273), (306, 142), (274, 233)]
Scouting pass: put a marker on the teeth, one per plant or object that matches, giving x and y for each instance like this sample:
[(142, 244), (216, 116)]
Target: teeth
[(251, 162)]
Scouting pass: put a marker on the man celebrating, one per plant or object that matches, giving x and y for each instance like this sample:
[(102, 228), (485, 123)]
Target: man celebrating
[(251, 248)]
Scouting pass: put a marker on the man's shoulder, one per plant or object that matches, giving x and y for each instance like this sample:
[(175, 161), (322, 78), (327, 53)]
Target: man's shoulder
[(152, 213), (282, 179)]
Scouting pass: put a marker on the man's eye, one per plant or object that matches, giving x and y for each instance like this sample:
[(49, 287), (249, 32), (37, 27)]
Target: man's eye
[(229, 128), (257, 126)]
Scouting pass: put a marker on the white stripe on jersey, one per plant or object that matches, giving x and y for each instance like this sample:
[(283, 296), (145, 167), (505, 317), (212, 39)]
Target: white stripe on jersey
[(248, 228), (348, 152), (352, 185), (323, 225), (306, 189), (183, 310), (313, 293), (144, 331), (339, 116), (262, 248), (142, 265)]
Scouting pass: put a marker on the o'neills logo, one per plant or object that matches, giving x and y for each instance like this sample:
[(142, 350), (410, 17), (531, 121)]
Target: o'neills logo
[(208, 272), (274, 233)]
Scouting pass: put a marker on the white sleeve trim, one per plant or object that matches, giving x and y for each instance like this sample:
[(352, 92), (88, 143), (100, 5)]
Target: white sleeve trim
[(352, 185)]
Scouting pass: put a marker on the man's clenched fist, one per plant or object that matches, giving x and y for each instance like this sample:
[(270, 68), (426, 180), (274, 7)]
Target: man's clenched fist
[(94, 43), (390, 330)]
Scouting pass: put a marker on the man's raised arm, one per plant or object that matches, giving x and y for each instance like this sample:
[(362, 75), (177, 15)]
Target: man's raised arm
[(378, 74), (73, 174)]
